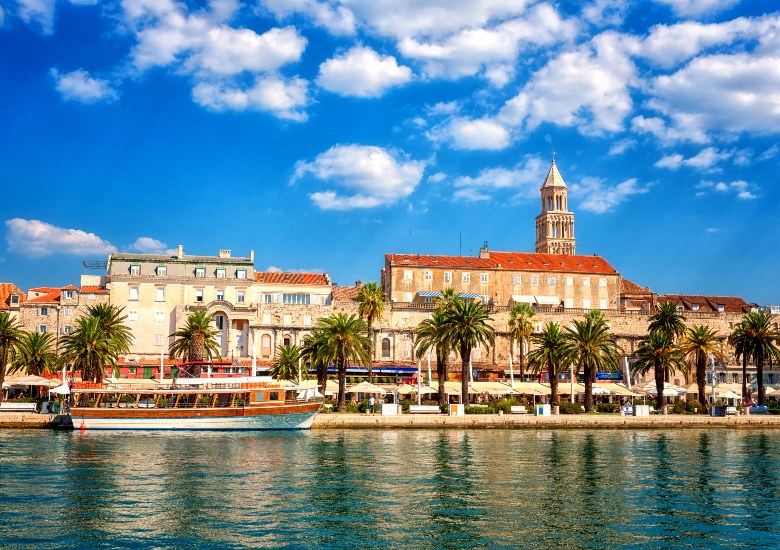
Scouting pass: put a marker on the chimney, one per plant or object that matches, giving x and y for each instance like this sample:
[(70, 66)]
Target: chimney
[(224, 253), (180, 251), (358, 284), (484, 252), (252, 256)]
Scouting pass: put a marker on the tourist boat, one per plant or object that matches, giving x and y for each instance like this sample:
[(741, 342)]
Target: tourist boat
[(207, 404)]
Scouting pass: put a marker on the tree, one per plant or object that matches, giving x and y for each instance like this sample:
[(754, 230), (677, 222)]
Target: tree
[(343, 340), (520, 329), (89, 350), (740, 340), (550, 354), (196, 342), (698, 343), (10, 335), (372, 305), (465, 326), (593, 349), (112, 323), (312, 351), (286, 364), (668, 321), (761, 338), (35, 354), (431, 335), (659, 353)]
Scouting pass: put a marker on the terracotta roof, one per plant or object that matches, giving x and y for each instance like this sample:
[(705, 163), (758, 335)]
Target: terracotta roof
[(50, 298), (731, 304), (512, 261), (344, 293), (6, 289), (70, 287), (630, 288), (284, 278), (88, 289), (43, 290)]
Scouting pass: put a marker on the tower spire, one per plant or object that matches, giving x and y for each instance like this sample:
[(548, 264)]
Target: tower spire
[(555, 224)]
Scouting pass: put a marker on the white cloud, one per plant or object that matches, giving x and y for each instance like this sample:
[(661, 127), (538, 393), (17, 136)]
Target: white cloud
[(587, 88), (37, 11), (470, 194), (769, 153), (698, 7), (2, 16), (337, 19), (523, 179), (684, 128), (605, 12), (665, 48), (362, 72), (463, 133), (80, 86), (672, 162), (437, 177), (36, 239), (600, 197), (271, 94), (621, 146), (740, 188), (704, 160), (148, 245), (371, 176)]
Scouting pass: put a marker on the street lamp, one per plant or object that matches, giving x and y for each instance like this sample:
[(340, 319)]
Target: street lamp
[(712, 383)]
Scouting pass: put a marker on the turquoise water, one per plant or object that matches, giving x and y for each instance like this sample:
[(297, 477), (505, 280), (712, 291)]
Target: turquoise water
[(392, 489)]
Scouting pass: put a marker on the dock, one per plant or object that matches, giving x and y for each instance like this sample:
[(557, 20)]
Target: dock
[(32, 421)]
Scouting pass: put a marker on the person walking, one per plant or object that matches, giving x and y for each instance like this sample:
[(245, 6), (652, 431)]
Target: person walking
[(371, 403)]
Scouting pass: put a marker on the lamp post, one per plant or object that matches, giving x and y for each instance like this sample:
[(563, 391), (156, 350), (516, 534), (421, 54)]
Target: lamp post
[(712, 384)]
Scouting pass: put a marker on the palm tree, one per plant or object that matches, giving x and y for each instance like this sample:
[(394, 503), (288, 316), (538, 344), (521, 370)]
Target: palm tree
[(593, 349), (520, 329), (698, 343), (312, 351), (112, 322), (466, 325), (431, 336), (761, 344), (659, 353), (668, 321), (35, 354), (286, 365), (447, 298), (740, 340), (10, 334), (551, 355), (372, 305), (196, 341), (343, 340), (89, 350)]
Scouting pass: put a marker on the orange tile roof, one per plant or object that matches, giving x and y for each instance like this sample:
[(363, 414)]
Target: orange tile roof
[(70, 287), (344, 293), (630, 288), (43, 290), (88, 289), (512, 261), (6, 289), (731, 304), (50, 298), (284, 278)]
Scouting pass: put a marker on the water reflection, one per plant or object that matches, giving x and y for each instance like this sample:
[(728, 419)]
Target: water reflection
[(419, 489)]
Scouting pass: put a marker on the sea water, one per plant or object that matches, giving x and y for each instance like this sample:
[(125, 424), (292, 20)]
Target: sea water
[(391, 489)]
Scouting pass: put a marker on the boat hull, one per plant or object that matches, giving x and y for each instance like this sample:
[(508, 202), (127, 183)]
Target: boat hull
[(299, 418)]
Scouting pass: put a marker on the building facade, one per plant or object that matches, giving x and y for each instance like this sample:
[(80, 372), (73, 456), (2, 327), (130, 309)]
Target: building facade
[(555, 224)]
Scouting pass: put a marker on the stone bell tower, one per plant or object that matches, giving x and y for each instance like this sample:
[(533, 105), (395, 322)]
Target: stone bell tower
[(555, 225)]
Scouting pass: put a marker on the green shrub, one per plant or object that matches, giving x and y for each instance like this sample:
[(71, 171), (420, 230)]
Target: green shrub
[(693, 406), (678, 407), (405, 403), (570, 408), (476, 409), (607, 407)]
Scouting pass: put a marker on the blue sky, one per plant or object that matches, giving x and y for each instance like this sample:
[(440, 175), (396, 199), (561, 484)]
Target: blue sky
[(323, 134)]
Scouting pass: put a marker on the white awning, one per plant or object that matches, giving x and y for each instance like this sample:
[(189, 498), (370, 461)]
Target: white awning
[(547, 300), (522, 299)]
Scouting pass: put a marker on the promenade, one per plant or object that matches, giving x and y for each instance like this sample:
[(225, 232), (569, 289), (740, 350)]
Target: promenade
[(29, 420)]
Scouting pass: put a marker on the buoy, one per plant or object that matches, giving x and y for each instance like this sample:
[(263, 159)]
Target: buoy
[(83, 428)]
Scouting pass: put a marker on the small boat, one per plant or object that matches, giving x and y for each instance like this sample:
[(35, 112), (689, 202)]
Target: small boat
[(206, 404)]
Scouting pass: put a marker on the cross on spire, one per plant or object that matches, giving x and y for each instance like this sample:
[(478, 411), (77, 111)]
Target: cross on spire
[(552, 153)]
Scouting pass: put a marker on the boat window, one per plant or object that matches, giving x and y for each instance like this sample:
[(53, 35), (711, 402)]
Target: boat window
[(274, 396), (260, 396)]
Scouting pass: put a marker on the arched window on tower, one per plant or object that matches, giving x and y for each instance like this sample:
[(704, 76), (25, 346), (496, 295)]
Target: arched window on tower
[(385, 347), (265, 345)]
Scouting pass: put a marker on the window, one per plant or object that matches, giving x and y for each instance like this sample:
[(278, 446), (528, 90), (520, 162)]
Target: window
[(240, 297), (569, 303), (200, 272), (265, 345), (602, 304), (199, 296), (220, 273), (448, 276), (67, 294), (586, 303), (220, 294), (694, 307), (586, 281), (406, 335), (602, 281), (133, 293), (534, 279), (407, 352), (160, 295), (385, 347), (408, 275), (516, 279), (569, 281), (721, 308), (68, 311), (219, 322), (162, 271), (296, 298), (43, 310), (267, 298), (307, 320), (159, 316), (287, 320), (550, 281), (132, 315), (135, 269), (158, 339), (407, 296), (483, 277), (67, 329), (14, 299), (427, 275), (241, 274), (43, 329), (465, 278)]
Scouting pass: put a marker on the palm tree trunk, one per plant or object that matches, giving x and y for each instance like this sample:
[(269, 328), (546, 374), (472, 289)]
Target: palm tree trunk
[(322, 377), (370, 320), (659, 386), (554, 402), (2, 366), (760, 377), (744, 379), (342, 363), (588, 372), (441, 372), (522, 360), (465, 355), (701, 378)]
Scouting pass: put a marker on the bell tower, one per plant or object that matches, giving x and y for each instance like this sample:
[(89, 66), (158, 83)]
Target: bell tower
[(555, 225)]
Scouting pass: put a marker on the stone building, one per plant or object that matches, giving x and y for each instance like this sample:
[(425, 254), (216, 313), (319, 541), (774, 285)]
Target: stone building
[(555, 224), (11, 298)]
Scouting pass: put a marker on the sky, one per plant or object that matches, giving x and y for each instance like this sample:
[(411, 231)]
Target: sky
[(323, 134)]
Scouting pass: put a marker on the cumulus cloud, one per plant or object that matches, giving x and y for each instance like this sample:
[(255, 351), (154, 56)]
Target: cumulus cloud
[(523, 180), (464, 133), (769, 153), (337, 19), (740, 188), (621, 146), (362, 72), (80, 86), (706, 159), (36, 239), (369, 176), (692, 8), (600, 197), (605, 12), (285, 99), (664, 47), (148, 245)]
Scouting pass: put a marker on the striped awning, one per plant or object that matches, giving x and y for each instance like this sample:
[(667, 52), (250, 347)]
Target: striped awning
[(469, 295), (428, 294)]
